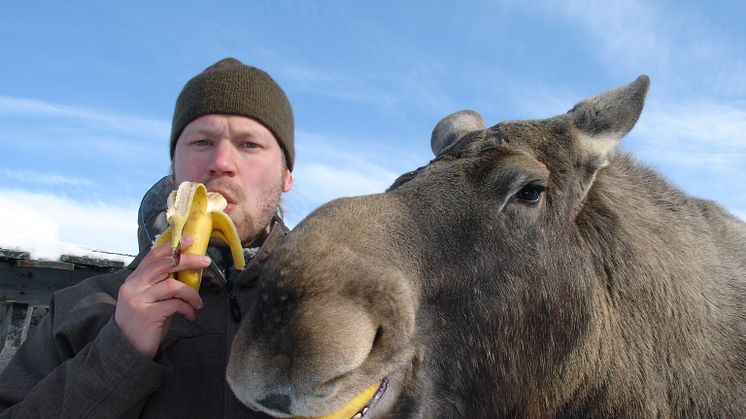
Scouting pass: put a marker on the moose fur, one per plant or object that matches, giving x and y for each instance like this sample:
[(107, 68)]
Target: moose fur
[(530, 270)]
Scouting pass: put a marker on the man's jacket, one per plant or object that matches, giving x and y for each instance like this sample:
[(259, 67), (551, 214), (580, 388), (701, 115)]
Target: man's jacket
[(77, 364)]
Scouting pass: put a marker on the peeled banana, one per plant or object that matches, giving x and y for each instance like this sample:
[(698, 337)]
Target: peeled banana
[(192, 211)]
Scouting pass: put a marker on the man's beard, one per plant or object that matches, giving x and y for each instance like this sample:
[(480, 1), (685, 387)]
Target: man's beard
[(266, 201)]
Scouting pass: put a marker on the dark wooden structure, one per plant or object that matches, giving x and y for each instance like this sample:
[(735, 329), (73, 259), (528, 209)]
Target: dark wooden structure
[(26, 284)]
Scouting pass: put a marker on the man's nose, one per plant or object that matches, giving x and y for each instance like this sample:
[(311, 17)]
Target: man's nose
[(223, 159)]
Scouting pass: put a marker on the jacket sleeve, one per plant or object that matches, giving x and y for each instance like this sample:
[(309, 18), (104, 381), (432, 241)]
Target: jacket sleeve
[(77, 364)]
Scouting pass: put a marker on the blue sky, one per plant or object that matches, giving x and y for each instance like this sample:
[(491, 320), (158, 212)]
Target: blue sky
[(87, 91)]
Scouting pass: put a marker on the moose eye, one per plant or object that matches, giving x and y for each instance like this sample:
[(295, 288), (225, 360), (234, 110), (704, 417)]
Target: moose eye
[(531, 193)]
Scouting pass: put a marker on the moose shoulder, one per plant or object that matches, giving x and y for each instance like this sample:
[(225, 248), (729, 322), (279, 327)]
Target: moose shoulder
[(530, 270)]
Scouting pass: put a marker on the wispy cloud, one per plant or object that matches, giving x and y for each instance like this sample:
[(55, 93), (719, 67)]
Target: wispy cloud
[(31, 108), (387, 92), (49, 179), (630, 33), (79, 151), (673, 43), (402, 83)]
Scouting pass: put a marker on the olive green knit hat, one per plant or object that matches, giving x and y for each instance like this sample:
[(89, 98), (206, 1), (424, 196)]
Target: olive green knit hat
[(233, 88)]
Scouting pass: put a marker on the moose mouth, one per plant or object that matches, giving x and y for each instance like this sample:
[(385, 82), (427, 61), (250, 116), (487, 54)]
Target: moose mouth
[(359, 405)]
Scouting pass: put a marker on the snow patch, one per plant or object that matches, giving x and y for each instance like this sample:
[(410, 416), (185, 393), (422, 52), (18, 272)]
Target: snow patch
[(24, 229)]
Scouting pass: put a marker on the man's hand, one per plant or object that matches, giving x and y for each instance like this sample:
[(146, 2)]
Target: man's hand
[(148, 300)]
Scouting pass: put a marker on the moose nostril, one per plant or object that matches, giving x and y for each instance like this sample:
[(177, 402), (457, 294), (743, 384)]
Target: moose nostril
[(277, 402), (377, 338)]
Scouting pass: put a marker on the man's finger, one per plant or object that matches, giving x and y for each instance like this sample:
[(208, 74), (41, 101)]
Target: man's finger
[(168, 308), (173, 289), (190, 261)]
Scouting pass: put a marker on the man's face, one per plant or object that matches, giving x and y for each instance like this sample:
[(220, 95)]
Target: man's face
[(240, 158)]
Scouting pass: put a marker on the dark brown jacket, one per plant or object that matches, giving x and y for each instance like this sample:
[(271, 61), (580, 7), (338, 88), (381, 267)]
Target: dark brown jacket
[(76, 363)]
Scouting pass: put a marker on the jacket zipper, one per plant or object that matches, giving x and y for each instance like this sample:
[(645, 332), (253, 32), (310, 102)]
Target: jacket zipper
[(232, 300)]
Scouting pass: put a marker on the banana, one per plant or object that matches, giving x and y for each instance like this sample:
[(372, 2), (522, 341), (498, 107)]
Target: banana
[(195, 212)]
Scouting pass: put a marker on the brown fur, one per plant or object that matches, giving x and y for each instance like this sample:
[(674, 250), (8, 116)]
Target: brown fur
[(614, 295)]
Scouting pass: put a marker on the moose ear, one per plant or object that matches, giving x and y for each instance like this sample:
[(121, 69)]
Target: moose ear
[(453, 127), (603, 120)]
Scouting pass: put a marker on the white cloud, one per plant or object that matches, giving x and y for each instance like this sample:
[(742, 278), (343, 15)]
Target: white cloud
[(695, 133), (699, 145), (336, 167), (319, 183), (717, 123), (42, 223), (325, 182)]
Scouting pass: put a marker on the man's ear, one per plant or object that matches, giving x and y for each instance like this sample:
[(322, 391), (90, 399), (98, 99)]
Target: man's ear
[(287, 180)]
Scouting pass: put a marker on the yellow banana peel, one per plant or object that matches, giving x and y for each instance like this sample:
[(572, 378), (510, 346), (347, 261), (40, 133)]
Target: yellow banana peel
[(351, 408), (192, 211)]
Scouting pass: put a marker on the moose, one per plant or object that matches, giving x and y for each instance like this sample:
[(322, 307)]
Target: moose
[(532, 269)]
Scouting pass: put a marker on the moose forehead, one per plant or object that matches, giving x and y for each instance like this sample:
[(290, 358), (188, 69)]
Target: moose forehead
[(528, 136), (515, 149)]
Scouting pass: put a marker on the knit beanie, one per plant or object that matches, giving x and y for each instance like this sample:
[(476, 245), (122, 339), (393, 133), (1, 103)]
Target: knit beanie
[(234, 88)]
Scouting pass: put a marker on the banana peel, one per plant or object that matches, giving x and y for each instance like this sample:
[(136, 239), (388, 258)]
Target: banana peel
[(192, 211)]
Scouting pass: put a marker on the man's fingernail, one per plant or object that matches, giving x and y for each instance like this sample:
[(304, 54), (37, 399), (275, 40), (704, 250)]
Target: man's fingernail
[(205, 259)]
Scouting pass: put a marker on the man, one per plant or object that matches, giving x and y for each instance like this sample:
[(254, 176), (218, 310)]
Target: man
[(134, 343)]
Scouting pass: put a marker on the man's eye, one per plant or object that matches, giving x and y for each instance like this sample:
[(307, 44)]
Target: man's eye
[(202, 142), (249, 144)]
